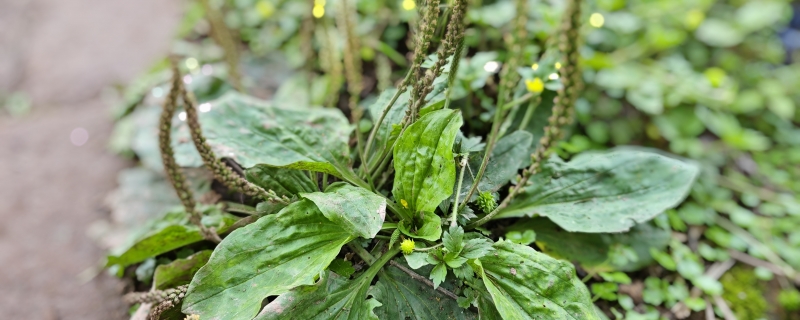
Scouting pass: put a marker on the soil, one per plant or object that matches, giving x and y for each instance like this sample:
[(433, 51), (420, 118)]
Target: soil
[(64, 54)]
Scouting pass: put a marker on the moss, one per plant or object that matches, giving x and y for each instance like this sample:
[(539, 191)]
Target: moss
[(744, 293)]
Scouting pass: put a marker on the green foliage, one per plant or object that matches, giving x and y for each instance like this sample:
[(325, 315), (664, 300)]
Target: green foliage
[(269, 257), (180, 271), (406, 298), (597, 252), (605, 192), (425, 172), (331, 298), (703, 80), (525, 283), (744, 293)]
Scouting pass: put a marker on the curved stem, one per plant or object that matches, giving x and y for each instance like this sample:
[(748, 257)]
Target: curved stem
[(487, 153), (371, 138), (529, 112)]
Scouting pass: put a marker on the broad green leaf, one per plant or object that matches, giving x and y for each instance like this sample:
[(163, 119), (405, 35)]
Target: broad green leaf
[(438, 274), (526, 284), (356, 209), (416, 260), (429, 228), (385, 136), (285, 182), (453, 239), (593, 250), (180, 271), (333, 297), (423, 161), (268, 257), (405, 298), (719, 33), (173, 231), (486, 307), (510, 153), (604, 191), (252, 132), (753, 16)]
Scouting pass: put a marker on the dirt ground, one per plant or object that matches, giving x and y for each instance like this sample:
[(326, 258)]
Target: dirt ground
[(63, 54)]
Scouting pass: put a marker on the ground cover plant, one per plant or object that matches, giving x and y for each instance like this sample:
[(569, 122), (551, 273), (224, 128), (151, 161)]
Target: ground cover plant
[(450, 159)]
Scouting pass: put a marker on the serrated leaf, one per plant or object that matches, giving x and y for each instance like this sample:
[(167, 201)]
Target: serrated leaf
[(423, 161), (252, 132), (604, 191), (455, 262), (438, 274), (285, 182), (174, 233), (476, 248), (453, 240), (429, 228), (357, 209), (405, 298), (268, 257), (333, 297), (342, 267), (180, 271), (464, 271), (592, 250), (510, 153), (525, 284)]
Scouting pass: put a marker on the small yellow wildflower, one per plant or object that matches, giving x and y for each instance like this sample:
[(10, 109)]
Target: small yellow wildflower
[(409, 5), (535, 66), (318, 11), (265, 8), (536, 85), (597, 20), (407, 246), (404, 203), (715, 76), (693, 19), (558, 65)]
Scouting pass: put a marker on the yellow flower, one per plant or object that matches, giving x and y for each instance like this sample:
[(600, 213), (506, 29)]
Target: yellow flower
[(558, 65), (715, 76), (535, 66), (409, 5), (536, 85), (407, 246), (404, 203), (265, 8), (693, 19), (318, 11), (597, 20)]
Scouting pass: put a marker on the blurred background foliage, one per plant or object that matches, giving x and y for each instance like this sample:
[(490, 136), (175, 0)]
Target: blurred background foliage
[(713, 81)]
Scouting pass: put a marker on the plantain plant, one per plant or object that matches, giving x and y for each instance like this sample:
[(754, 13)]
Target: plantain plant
[(397, 219)]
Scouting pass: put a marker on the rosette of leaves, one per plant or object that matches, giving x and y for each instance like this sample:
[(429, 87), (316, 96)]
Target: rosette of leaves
[(324, 255)]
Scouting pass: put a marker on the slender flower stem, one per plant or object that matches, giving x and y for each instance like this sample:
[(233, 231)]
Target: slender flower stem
[(454, 217), (370, 140), (428, 248), (174, 172), (534, 103), (508, 80), (518, 101)]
